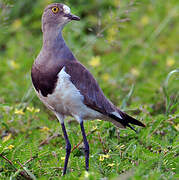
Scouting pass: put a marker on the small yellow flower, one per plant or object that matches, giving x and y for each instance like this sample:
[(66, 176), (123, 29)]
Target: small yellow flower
[(63, 158), (98, 120), (177, 127), (105, 77), (95, 61), (45, 129), (144, 20), (13, 64), (6, 138), (31, 109), (37, 110), (16, 24), (170, 61), (19, 111), (94, 128), (111, 165), (106, 156), (102, 157), (10, 147), (135, 72)]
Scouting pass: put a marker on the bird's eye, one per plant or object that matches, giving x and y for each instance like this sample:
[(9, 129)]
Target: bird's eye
[(55, 10)]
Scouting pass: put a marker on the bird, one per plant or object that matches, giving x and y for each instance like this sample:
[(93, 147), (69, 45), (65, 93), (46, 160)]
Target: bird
[(65, 86)]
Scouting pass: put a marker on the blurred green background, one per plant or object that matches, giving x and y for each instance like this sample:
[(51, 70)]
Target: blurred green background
[(131, 47)]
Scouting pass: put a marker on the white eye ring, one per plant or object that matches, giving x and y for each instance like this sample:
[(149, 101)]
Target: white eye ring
[(66, 9)]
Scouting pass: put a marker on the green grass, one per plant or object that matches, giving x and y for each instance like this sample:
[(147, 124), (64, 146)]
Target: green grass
[(137, 48)]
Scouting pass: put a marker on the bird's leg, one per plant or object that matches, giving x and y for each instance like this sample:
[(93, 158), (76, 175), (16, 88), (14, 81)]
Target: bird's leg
[(68, 148), (86, 145)]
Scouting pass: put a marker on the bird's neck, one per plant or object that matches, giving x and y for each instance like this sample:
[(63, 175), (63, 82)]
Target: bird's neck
[(54, 45), (53, 39)]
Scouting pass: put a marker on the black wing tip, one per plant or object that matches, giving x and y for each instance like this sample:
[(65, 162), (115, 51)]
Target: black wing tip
[(132, 120), (127, 120)]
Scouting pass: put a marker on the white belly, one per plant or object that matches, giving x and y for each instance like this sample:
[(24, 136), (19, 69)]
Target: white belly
[(67, 100)]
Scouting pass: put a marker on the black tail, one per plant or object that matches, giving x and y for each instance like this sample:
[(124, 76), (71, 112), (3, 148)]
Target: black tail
[(126, 120)]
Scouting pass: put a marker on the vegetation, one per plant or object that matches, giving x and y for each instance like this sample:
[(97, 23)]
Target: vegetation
[(131, 47)]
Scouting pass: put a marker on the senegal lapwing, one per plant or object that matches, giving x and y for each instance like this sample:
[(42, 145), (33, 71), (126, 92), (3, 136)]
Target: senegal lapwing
[(65, 86)]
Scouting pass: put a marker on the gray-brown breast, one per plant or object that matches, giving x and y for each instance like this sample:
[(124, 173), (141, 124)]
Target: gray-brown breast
[(44, 81), (48, 64)]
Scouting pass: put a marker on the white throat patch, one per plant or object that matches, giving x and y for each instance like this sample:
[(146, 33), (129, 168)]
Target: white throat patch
[(66, 9)]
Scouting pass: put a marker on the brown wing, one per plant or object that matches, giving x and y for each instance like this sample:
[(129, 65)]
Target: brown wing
[(88, 87)]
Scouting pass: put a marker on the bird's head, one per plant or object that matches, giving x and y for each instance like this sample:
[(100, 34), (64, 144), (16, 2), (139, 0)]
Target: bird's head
[(56, 15)]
